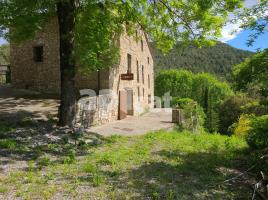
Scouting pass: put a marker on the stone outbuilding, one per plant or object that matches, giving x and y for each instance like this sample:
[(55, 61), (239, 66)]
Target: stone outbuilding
[(35, 65)]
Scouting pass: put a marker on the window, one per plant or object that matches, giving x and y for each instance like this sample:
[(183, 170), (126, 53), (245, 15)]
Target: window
[(141, 45), (148, 60), (138, 74), (143, 92), (139, 94), (38, 54), (136, 37), (149, 81), (149, 99), (128, 63), (142, 74)]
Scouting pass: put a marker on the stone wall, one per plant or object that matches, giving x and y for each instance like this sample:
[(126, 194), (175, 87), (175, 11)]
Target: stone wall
[(41, 76), (97, 110), (45, 76), (132, 45)]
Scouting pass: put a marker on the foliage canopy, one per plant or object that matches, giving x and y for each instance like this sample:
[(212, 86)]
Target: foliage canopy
[(98, 23), (253, 73)]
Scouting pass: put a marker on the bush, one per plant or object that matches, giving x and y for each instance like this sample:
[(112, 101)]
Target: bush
[(193, 114), (257, 137), (203, 88), (230, 111), (256, 108), (177, 82), (181, 102), (210, 93), (233, 107), (242, 127)]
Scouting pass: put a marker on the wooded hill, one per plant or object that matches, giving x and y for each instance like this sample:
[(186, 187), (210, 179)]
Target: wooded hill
[(217, 59)]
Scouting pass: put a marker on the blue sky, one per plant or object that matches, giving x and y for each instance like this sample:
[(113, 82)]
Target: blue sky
[(239, 41)]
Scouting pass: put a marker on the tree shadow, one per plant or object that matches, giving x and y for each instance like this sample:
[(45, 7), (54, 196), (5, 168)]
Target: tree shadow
[(184, 176), (30, 139)]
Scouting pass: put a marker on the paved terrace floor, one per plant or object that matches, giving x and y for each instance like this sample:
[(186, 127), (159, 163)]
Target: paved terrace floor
[(155, 120)]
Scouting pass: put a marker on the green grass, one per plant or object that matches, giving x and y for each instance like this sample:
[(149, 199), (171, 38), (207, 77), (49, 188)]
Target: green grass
[(161, 165), (7, 144)]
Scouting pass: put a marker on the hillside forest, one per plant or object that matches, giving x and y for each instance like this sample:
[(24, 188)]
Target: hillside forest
[(218, 59)]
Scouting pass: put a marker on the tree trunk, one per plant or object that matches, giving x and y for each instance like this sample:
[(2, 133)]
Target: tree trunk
[(66, 18)]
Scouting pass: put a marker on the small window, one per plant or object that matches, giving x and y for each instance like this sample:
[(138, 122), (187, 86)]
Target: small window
[(149, 99), (128, 63), (149, 82), (148, 60), (143, 93), (138, 74), (139, 93), (142, 74), (38, 53), (141, 45)]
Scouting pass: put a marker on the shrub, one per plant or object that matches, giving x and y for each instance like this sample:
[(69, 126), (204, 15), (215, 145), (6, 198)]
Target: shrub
[(193, 114), (181, 102), (210, 93), (256, 108), (203, 88), (177, 82), (242, 127), (230, 110), (257, 137), (233, 107)]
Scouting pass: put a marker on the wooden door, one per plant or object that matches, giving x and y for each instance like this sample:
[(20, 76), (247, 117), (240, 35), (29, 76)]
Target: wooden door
[(122, 113), (130, 102)]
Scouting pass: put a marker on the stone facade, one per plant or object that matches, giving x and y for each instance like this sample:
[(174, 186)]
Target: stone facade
[(44, 76)]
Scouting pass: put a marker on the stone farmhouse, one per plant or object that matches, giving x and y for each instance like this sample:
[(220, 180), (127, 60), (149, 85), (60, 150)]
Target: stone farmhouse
[(35, 65)]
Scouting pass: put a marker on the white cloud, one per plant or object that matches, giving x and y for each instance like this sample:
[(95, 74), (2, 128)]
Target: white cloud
[(231, 30)]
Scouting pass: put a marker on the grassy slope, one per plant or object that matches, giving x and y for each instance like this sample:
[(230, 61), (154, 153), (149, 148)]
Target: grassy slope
[(163, 165)]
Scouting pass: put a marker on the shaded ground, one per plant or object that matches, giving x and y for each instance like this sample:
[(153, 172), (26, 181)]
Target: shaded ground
[(16, 105)]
